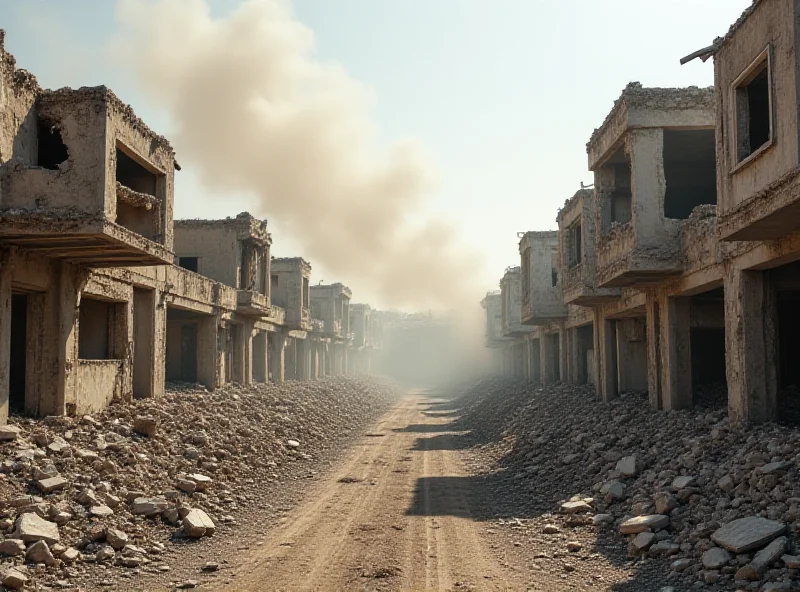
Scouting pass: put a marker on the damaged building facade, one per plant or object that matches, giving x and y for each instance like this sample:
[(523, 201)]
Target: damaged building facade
[(678, 270), (102, 294)]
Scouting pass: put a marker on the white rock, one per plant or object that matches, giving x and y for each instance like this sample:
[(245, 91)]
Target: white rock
[(639, 524), (9, 432), (628, 466), (31, 528), (747, 534), (197, 524)]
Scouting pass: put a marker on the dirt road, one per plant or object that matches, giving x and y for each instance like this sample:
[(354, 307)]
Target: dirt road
[(395, 515)]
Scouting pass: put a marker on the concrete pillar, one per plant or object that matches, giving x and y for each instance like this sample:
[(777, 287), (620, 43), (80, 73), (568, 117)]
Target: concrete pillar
[(750, 347), (70, 284), (676, 353), (574, 353), (606, 355), (277, 356), (6, 272), (653, 320), (631, 355), (563, 356), (208, 356), (550, 358)]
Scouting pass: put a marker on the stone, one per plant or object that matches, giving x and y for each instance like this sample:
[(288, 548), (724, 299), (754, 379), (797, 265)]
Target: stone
[(614, 489), (716, 558), (776, 467), (100, 511), (70, 555), (87, 497), (186, 485), (197, 524), (201, 481), (684, 481), (39, 552), (726, 483), (187, 585), (104, 553), (574, 546), (149, 506), (9, 432), (116, 538), (791, 561), (643, 540), (211, 566), (146, 426), (747, 534), (292, 443), (665, 502), (680, 565), (58, 445), (665, 549), (602, 519), (628, 466), (14, 579), (32, 528), (12, 547), (551, 529), (639, 524), (575, 507), (51, 484), (762, 560)]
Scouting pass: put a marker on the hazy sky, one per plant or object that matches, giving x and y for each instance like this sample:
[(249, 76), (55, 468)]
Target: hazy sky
[(502, 95)]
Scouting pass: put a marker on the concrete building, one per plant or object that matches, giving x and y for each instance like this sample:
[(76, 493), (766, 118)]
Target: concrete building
[(331, 304), (364, 344), (680, 266), (102, 295), (516, 351), (492, 304)]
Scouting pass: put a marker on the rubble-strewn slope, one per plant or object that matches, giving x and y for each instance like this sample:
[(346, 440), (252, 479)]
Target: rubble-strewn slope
[(557, 444), (115, 488)]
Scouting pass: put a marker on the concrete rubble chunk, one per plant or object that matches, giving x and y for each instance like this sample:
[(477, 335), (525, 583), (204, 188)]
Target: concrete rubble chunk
[(31, 528), (71, 555), (716, 558), (51, 484), (149, 506), (146, 426), (39, 552), (628, 466), (13, 579), (292, 443), (197, 524), (614, 489), (201, 481), (12, 547), (684, 481), (100, 511), (578, 507), (653, 522), (762, 560), (776, 467), (602, 519), (9, 432), (665, 502), (116, 538), (747, 534), (791, 561), (643, 540)]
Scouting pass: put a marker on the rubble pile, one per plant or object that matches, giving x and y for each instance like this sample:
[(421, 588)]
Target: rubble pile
[(718, 503), (115, 488)]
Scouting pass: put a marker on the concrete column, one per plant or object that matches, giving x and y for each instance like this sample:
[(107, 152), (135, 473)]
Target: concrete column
[(607, 354), (6, 272), (574, 352), (653, 321), (221, 353), (631, 356), (159, 349), (563, 356), (70, 284), (208, 355), (676, 353), (277, 356), (550, 357), (750, 347), (597, 320)]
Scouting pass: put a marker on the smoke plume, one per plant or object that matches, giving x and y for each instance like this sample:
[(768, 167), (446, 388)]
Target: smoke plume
[(254, 111)]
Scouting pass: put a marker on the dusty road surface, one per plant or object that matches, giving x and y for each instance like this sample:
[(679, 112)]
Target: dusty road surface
[(394, 515)]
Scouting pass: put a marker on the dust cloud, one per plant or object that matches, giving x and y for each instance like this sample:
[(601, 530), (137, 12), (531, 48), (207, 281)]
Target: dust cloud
[(254, 111)]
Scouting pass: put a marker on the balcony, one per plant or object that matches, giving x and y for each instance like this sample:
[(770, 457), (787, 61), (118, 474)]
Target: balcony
[(98, 189), (541, 297), (252, 303), (621, 262)]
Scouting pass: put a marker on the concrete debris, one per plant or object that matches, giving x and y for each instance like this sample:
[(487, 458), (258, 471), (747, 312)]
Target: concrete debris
[(39, 552), (14, 579), (674, 509), (8, 432), (116, 498)]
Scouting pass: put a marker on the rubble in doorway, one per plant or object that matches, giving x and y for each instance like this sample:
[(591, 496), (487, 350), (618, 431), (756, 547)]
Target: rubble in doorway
[(716, 507), (87, 501)]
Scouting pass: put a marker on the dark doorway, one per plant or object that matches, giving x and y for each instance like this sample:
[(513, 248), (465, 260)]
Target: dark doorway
[(707, 346), (143, 342), (19, 344), (789, 356)]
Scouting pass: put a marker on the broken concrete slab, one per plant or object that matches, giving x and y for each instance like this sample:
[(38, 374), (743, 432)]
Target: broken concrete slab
[(578, 507), (12, 547), (145, 426), (197, 524), (653, 522), (13, 579), (763, 559), (628, 466), (39, 552), (31, 528), (51, 484), (747, 534), (8, 433)]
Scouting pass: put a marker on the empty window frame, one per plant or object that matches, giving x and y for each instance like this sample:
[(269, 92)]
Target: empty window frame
[(753, 108), (574, 244), (190, 263)]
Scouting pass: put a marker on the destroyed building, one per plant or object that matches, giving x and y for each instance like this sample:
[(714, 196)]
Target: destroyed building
[(678, 268), (102, 295)]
